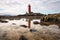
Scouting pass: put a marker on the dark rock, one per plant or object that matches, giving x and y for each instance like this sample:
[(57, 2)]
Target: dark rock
[(3, 21), (36, 22), (22, 38), (33, 30), (24, 26), (13, 23), (4, 35)]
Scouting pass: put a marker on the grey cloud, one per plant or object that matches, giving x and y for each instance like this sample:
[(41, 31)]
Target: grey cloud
[(20, 6)]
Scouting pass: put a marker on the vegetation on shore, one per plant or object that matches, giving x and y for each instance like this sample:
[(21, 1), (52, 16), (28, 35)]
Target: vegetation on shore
[(51, 19)]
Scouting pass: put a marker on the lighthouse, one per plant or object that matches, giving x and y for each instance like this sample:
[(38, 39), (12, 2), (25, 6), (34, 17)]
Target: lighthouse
[(29, 8), (28, 13)]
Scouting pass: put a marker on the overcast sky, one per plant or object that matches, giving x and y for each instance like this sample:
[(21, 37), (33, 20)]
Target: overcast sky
[(16, 7)]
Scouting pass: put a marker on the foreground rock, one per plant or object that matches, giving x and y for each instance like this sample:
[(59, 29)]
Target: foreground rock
[(33, 30), (3, 21), (23, 38), (24, 26)]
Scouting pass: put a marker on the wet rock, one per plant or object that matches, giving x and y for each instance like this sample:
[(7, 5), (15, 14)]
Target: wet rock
[(33, 30), (13, 23), (3, 21), (36, 22), (22, 38), (3, 37), (23, 26)]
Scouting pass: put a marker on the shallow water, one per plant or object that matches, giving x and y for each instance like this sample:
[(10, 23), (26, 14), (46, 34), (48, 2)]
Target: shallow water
[(13, 31)]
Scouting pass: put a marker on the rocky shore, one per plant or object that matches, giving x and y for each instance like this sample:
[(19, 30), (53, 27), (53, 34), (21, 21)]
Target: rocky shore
[(50, 20)]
